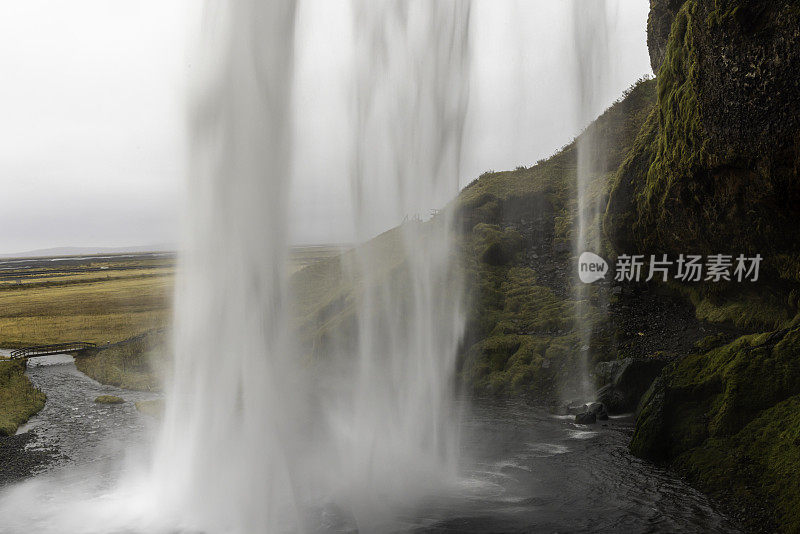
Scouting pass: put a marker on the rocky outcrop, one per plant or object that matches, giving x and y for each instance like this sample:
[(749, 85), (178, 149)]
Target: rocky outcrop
[(715, 168), (625, 381), (727, 419), (659, 23), (585, 418)]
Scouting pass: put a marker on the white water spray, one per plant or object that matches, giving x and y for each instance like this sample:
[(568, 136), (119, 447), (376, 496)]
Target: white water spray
[(254, 439), (222, 463), (591, 44), (412, 61), (242, 448)]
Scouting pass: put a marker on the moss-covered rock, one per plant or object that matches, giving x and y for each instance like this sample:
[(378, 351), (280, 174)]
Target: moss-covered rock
[(109, 399), (659, 22), (727, 419), (498, 246), (715, 167), (715, 170)]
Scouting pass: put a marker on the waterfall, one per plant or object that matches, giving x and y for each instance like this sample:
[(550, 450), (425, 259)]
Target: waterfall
[(412, 66), (222, 463), (591, 35), (254, 438)]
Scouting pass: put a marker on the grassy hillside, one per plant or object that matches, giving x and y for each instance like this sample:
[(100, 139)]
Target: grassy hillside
[(513, 233), (518, 229)]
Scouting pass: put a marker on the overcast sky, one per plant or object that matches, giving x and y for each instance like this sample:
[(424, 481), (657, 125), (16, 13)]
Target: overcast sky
[(92, 103)]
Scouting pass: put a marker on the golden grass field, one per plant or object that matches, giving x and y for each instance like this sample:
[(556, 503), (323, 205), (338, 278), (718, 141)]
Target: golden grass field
[(121, 303), (105, 306), (94, 300), (98, 300)]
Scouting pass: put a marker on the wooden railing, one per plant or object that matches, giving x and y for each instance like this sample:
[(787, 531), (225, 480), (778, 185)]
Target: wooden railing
[(46, 350)]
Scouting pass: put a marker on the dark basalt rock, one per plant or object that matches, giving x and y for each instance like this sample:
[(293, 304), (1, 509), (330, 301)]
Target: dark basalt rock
[(626, 381), (586, 418), (715, 168), (597, 409), (574, 408), (659, 22)]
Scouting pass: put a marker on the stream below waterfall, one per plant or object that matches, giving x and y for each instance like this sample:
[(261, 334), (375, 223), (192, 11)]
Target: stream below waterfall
[(523, 469)]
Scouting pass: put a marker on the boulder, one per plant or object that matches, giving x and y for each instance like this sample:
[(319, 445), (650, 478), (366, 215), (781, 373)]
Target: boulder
[(586, 418), (597, 409), (109, 399), (574, 408), (626, 381)]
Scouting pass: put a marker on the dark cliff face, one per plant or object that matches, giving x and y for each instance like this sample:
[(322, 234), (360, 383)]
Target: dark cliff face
[(749, 79), (715, 169), (659, 22)]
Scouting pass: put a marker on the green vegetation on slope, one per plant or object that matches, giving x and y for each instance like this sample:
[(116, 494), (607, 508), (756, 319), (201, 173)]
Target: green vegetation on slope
[(513, 231), (19, 400), (517, 228)]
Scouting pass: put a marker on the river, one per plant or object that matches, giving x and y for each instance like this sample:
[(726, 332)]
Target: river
[(523, 470)]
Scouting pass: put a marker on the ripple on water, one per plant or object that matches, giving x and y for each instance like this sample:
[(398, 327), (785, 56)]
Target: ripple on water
[(581, 434), (545, 450)]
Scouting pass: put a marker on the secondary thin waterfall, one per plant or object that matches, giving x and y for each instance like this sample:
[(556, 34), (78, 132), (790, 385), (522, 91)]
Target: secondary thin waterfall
[(412, 61), (591, 45), (224, 459)]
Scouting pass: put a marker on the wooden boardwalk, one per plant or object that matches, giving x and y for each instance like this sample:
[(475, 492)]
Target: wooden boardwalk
[(47, 350)]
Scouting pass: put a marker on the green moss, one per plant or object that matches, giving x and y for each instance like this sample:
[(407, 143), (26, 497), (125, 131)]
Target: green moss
[(712, 341), (510, 364), (648, 440), (746, 308), (19, 400), (109, 399), (680, 145), (762, 461), (729, 420), (743, 310), (520, 335), (497, 246)]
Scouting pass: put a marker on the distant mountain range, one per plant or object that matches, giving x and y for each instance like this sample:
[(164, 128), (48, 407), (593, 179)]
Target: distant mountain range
[(88, 251)]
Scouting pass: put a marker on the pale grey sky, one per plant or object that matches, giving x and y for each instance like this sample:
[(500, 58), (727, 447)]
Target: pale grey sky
[(92, 139)]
